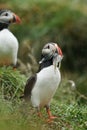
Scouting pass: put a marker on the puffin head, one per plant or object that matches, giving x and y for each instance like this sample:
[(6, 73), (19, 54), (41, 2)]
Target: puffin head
[(7, 17), (51, 50)]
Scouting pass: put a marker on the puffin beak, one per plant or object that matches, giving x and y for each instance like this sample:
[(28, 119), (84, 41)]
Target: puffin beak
[(59, 50), (16, 19), (57, 57)]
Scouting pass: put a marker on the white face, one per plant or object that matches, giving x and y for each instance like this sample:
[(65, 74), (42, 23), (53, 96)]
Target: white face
[(6, 17), (48, 49), (51, 50)]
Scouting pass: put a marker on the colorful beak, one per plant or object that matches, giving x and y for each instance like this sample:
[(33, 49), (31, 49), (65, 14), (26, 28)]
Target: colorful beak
[(16, 19), (59, 50)]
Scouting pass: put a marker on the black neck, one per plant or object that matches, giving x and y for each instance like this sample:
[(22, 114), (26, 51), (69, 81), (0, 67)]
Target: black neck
[(46, 64), (3, 26)]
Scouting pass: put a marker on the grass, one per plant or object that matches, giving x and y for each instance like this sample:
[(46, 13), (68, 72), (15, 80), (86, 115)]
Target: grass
[(15, 114), (70, 116), (11, 83)]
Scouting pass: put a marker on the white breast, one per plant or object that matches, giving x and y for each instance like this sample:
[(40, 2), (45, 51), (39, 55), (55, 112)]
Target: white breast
[(47, 82), (8, 47)]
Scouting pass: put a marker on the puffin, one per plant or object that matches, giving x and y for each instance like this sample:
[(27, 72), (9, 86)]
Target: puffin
[(41, 87), (8, 42)]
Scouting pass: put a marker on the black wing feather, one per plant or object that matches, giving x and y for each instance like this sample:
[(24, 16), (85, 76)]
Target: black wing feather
[(29, 86)]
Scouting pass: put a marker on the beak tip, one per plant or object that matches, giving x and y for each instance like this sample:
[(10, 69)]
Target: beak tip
[(18, 20)]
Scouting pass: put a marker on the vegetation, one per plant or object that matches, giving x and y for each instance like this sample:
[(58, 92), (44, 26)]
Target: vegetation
[(11, 83), (16, 114), (64, 22)]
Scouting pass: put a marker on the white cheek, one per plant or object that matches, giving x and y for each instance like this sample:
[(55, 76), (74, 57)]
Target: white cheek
[(45, 51)]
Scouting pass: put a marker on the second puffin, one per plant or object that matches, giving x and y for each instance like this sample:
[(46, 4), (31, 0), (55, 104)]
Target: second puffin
[(41, 87)]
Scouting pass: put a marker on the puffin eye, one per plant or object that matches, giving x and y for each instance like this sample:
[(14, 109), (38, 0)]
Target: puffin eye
[(48, 47), (6, 14)]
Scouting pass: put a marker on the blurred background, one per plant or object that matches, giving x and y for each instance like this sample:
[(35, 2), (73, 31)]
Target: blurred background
[(60, 21)]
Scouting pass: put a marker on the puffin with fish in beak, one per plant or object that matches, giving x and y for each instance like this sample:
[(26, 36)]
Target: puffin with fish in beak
[(41, 87)]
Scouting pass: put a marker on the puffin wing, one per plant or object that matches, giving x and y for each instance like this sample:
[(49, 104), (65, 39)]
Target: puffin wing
[(29, 86)]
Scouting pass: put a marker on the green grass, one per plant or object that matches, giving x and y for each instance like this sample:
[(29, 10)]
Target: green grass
[(11, 83), (15, 114), (20, 117)]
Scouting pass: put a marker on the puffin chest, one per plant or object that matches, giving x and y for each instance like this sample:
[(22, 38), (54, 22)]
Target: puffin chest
[(8, 47), (48, 77), (47, 82)]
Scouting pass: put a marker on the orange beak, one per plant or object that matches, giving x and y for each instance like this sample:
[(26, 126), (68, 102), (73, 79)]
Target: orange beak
[(59, 50), (16, 19)]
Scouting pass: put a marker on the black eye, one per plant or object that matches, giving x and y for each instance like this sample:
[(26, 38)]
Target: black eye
[(6, 14), (48, 47)]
